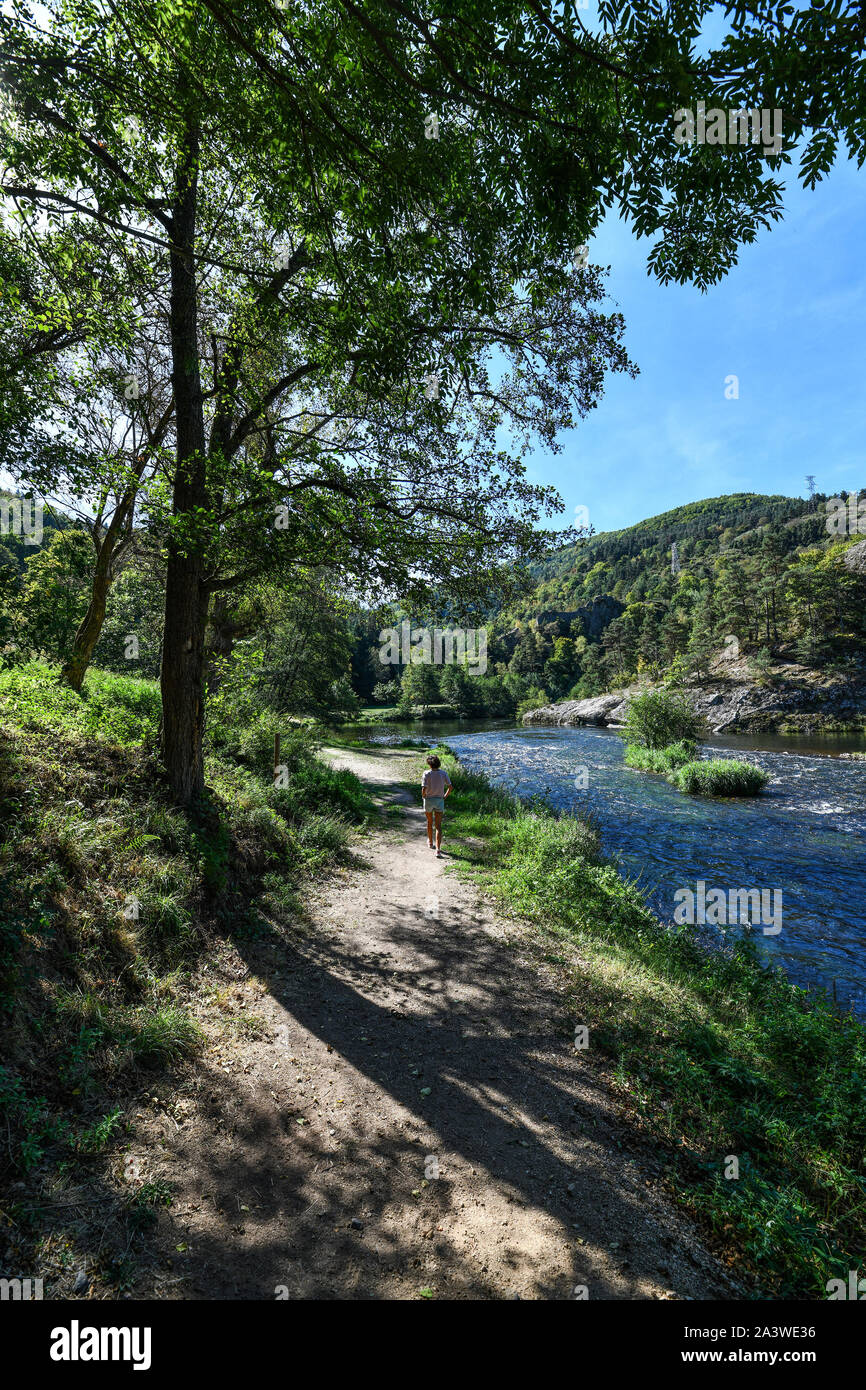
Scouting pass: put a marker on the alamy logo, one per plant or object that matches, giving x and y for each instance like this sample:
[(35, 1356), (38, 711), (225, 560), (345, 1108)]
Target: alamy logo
[(437, 647), (76, 1343), (21, 516), (855, 1289), (718, 127), (846, 518), (21, 1290), (739, 906)]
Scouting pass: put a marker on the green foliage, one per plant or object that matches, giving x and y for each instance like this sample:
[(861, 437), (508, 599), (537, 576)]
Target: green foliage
[(55, 592), (115, 709), (760, 570), (662, 760), (386, 692), (533, 698), (314, 786), (720, 777), (459, 690), (762, 666), (135, 608), (29, 1120), (677, 762), (419, 687), (658, 718), (97, 1136)]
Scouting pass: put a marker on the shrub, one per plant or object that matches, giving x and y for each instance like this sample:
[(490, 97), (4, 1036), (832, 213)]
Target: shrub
[(534, 698), (658, 718), (321, 839), (720, 777), (316, 785)]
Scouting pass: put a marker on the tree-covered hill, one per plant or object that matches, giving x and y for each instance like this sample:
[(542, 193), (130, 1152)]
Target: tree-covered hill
[(742, 575), (747, 579), (714, 522)]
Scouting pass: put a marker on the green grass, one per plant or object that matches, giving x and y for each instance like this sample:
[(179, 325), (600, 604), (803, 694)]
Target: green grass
[(699, 776), (720, 777), (714, 1054), (111, 896), (117, 709), (663, 760)]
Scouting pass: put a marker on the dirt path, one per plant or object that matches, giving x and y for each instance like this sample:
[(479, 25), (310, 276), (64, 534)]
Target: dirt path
[(394, 1109)]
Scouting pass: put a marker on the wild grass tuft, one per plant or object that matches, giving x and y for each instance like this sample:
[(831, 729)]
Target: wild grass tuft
[(720, 777)]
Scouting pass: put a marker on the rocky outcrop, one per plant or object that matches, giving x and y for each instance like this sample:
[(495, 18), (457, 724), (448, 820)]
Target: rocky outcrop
[(855, 558), (599, 709), (594, 617), (731, 705)]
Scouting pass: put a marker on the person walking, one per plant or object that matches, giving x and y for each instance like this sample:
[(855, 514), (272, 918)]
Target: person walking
[(435, 786)]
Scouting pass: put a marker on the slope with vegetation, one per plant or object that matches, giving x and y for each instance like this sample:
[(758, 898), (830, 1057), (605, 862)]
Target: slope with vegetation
[(112, 899), (757, 596)]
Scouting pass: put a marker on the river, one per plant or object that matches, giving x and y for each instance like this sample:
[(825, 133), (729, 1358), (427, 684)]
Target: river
[(804, 835)]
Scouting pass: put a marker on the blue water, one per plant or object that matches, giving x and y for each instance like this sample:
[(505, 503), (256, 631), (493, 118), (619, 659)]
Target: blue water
[(805, 834)]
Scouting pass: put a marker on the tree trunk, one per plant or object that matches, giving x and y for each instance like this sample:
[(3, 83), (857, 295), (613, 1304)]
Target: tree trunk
[(182, 676), (90, 627), (79, 659), (186, 599)]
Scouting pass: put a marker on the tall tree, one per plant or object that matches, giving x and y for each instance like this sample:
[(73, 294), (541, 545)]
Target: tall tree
[(357, 206)]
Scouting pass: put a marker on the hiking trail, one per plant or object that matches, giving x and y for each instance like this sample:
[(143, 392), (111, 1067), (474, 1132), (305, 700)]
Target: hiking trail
[(399, 1110)]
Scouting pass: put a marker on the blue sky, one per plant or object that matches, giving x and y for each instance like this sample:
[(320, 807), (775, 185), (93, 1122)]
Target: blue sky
[(789, 321)]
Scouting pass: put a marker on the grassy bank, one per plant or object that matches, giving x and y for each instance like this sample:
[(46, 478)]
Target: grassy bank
[(111, 898), (714, 1055)]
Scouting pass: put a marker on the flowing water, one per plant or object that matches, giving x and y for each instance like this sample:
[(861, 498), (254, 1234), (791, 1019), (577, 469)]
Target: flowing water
[(804, 835)]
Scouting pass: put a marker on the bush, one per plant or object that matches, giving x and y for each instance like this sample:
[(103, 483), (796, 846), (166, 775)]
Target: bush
[(321, 840), (761, 664), (534, 698), (315, 786), (720, 777), (658, 718)]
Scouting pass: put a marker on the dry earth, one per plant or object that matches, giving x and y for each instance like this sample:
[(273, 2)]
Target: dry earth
[(392, 1107)]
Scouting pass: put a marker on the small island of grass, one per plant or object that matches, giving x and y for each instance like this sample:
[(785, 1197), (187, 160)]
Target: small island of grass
[(661, 735)]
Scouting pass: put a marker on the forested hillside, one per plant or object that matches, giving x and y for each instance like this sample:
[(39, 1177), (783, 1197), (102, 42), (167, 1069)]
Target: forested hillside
[(743, 576), (765, 570)]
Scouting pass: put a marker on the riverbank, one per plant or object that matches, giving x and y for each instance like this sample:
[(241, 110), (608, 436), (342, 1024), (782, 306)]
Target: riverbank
[(725, 1065), (235, 1039), (794, 700)]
